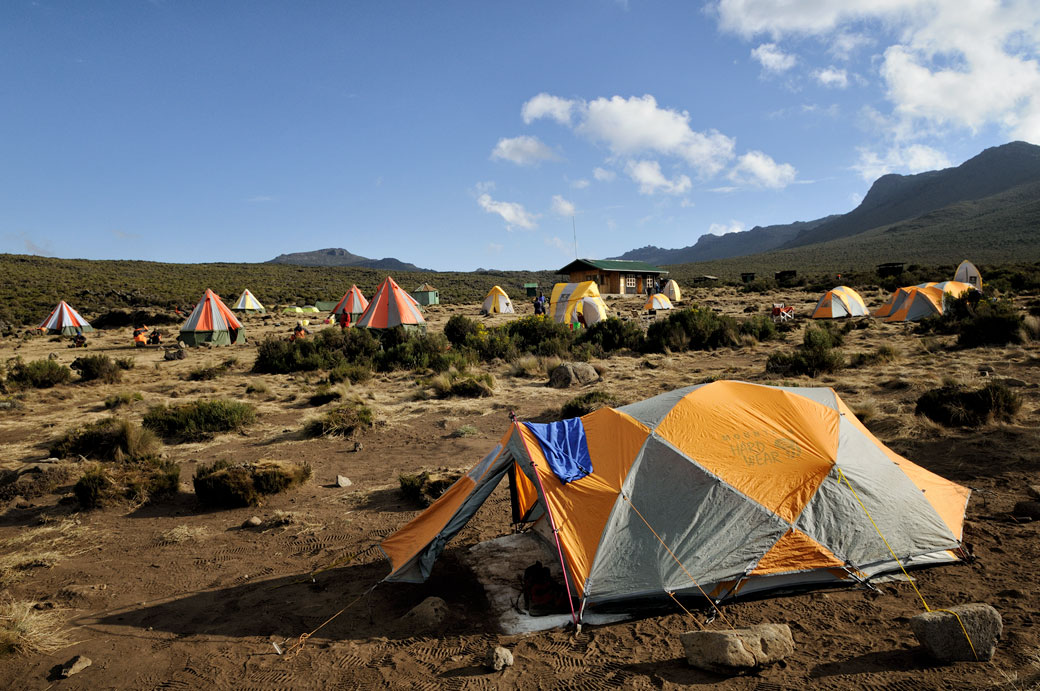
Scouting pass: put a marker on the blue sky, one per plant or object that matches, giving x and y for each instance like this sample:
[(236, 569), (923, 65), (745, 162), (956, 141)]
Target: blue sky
[(458, 135)]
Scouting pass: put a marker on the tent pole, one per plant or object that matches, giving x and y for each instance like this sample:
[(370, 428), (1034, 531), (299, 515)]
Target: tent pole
[(552, 521)]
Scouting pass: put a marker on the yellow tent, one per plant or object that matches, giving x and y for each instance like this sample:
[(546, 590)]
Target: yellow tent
[(840, 302), (497, 302), (568, 300), (658, 301), (671, 289)]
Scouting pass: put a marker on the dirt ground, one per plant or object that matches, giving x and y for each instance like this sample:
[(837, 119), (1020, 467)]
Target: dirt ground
[(171, 596)]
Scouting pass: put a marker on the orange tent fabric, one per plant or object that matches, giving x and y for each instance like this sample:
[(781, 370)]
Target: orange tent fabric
[(391, 306)]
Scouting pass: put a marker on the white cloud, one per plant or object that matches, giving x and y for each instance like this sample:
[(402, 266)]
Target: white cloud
[(512, 213), (547, 106), (758, 169), (772, 58), (485, 186), (495, 247), (565, 247), (845, 44), (561, 206), (726, 228), (967, 64), (634, 126), (522, 150), (580, 184), (603, 175), (832, 77), (651, 180), (915, 158)]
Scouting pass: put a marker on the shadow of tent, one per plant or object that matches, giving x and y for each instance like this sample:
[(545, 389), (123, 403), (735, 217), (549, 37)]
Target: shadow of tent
[(899, 660), (288, 606)]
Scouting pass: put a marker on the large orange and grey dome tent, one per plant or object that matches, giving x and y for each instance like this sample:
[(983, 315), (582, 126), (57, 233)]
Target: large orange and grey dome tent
[(719, 489), (391, 307), (212, 322), (65, 320), (840, 302)]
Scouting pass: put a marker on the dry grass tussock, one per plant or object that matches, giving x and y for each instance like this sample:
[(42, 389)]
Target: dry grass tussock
[(26, 631), (182, 534), (39, 548)]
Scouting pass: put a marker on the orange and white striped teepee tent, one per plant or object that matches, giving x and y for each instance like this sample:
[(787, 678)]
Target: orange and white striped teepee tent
[(391, 306), (353, 303), (66, 321), (212, 322)]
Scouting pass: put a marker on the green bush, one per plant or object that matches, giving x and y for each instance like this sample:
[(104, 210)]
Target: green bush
[(224, 484), (759, 327), (92, 487), (462, 384), (539, 335), (136, 482), (694, 328), (355, 373), (956, 406), (126, 363), (110, 439), (425, 488), (120, 399), (97, 367), (38, 374), (883, 354), (587, 403), (976, 321), (817, 354), (199, 419), (210, 373), (417, 352), (612, 334), (344, 421), (459, 328)]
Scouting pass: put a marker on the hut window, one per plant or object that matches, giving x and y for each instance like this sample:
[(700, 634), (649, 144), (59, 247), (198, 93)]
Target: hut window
[(631, 282)]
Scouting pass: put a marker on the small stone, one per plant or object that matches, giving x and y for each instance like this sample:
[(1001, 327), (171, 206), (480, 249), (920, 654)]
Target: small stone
[(941, 634), (1012, 382), (573, 373), (1027, 509), (75, 665), (343, 481), (1034, 490), (427, 615), (252, 522), (737, 650), (52, 356), (498, 658)]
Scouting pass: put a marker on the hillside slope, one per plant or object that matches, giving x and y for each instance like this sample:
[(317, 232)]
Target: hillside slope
[(337, 256)]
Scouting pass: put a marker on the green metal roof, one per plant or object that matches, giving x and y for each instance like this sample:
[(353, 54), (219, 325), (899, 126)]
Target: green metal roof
[(612, 265), (530, 285)]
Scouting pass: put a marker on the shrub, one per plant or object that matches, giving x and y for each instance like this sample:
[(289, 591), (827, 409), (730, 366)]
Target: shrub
[(882, 355), (38, 374), (344, 421), (256, 387), (122, 318), (587, 403), (465, 385), (539, 335), (465, 431), (425, 488), (417, 352), (694, 328), (92, 487), (93, 367), (110, 439), (459, 328), (126, 363), (613, 334), (224, 484), (120, 399), (817, 354), (199, 419), (976, 321), (355, 373), (759, 327), (137, 482), (956, 406)]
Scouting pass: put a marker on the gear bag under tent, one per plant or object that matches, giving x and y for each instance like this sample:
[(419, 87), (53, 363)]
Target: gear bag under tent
[(717, 490)]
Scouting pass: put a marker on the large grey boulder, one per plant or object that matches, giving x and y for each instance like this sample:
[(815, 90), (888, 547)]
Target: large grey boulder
[(573, 373), (428, 615), (940, 633), (736, 650)]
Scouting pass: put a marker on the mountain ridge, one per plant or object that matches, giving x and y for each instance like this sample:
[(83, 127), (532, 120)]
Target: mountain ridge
[(337, 256)]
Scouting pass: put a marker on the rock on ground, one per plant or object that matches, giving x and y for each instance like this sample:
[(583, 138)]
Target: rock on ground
[(498, 658), (252, 522), (1028, 509), (427, 615), (940, 633), (573, 373), (75, 665), (343, 481), (737, 650)]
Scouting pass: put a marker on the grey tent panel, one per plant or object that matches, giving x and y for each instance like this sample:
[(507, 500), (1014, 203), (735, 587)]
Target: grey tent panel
[(652, 410), (715, 532), (821, 394), (833, 517)]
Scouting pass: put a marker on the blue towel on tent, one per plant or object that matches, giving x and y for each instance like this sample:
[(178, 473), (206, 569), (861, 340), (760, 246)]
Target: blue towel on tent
[(565, 448)]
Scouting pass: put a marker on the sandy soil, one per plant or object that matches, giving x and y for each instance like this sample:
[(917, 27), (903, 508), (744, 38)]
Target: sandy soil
[(170, 596)]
